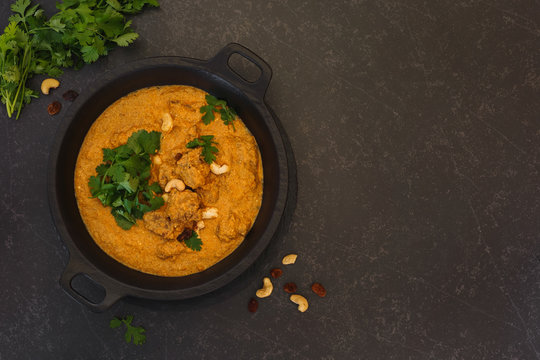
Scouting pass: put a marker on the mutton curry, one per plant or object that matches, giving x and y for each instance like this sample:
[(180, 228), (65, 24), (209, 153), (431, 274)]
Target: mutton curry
[(209, 175)]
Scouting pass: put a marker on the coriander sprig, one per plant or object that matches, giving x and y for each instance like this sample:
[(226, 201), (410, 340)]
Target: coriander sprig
[(208, 150), (135, 333), (228, 115)]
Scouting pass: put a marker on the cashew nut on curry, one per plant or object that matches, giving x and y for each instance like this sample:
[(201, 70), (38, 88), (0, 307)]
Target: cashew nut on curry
[(219, 201)]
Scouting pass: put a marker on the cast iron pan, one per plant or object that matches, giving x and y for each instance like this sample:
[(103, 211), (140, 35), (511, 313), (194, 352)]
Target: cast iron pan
[(214, 76)]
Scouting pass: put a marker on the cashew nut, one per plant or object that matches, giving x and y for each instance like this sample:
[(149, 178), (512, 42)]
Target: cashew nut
[(200, 225), (166, 125), (266, 289), (218, 170), (157, 160), (210, 213), (175, 183), (48, 84), (289, 259), (301, 301)]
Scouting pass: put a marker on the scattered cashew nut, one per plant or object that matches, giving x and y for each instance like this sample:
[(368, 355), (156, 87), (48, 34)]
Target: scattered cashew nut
[(210, 213), (289, 259), (175, 183), (157, 160), (48, 84), (266, 290), (166, 125), (301, 301), (218, 170)]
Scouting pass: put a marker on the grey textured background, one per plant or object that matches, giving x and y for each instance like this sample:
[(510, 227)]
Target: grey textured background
[(416, 130)]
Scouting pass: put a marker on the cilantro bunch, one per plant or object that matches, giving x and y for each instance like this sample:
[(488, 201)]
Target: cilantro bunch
[(80, 32), (122, 179), (219, 106), (208, 150)]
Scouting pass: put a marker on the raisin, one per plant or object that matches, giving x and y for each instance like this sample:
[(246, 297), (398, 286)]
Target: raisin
[(186, 234), (253, 305), (54, 108), (318, 289), (290, 287), (70, 95), (276, 273), (178, 156)]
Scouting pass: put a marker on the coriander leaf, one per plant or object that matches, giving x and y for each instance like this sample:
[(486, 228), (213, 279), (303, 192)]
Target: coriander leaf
[(144, 141), (108, 155), (125, 39), (155, 188), (137, 333), (20, 6), (95, 185), (102, 169), (128, 183), (117, 172), (115, 4), (89, 54), (208, 112), (124, 220), (115, 322), (194, 242), (156, 203), (194, 143)]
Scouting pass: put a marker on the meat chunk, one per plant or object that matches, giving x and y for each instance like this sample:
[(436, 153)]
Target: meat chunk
[(192, 169), (209, 192), (232, 226), (183, 207), (157, 222), (169, 248), (180, 212)]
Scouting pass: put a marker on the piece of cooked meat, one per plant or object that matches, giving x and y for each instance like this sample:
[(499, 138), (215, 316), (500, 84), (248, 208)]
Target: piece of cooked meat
[(183, 207), (180, 212), (157, 222), (232, 226), (169, 248), (192, 169)]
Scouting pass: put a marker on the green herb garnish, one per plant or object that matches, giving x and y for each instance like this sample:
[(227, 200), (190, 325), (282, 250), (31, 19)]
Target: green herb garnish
[(194, 242), (132, 332), (220, 106), (122, 179), (80, 32), (208, 150)]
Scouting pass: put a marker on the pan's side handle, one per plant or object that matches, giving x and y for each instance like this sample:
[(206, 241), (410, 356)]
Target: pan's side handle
[(76, 267), (220, 64)]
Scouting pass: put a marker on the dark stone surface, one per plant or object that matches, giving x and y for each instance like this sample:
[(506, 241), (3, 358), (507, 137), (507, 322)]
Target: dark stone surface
[(416, 130)]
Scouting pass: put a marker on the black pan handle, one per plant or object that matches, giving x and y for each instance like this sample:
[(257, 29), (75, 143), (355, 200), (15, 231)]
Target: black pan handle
[(75, 267), (220, 64)]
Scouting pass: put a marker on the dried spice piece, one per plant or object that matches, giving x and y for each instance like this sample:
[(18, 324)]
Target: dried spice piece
[(186, 234), (178, 156), (54, 108), (290, 287), (70, 95), (276, 273), (253, 305), (318, 289)]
